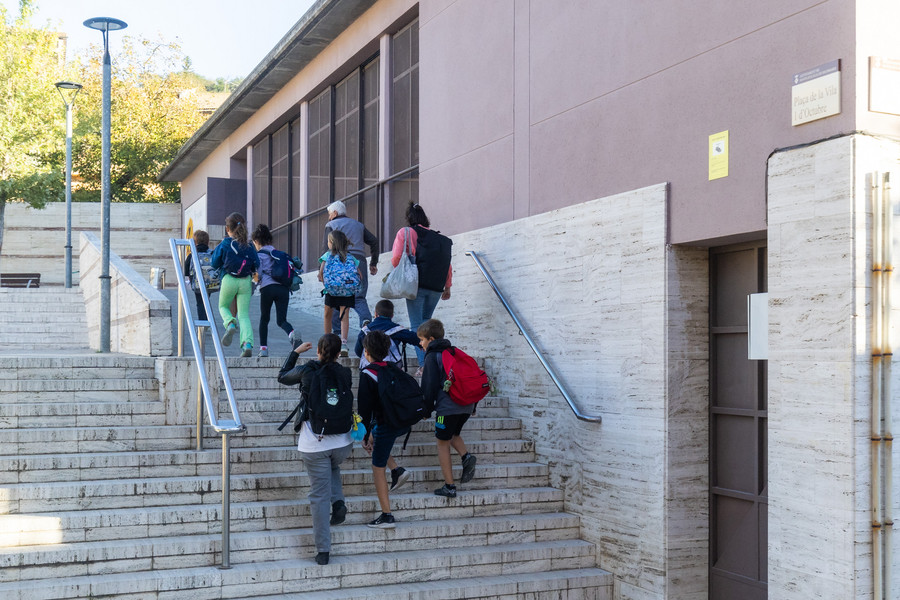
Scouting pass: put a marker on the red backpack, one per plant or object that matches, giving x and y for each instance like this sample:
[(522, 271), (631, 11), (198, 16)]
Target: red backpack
[(467, 382)]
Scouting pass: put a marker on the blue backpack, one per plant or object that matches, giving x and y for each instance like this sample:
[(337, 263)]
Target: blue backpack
[(341, 278), (238, 261)]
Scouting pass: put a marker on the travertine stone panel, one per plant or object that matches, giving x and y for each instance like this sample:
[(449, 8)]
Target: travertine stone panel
[(820, 261), (623, 318), (140, 316), (34, 240)]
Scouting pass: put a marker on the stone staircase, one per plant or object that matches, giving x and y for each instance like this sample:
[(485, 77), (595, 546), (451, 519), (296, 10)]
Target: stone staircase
[(42, 318), (100, 497)]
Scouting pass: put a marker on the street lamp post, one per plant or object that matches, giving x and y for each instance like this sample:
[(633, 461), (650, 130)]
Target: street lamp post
[(105, 25), (68, 91)]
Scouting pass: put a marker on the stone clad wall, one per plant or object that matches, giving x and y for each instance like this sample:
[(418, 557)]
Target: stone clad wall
[(35, 240), (820, 261), (624, 319), (140, 315)]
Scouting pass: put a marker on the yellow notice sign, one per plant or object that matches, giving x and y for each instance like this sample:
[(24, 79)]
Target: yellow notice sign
[(718, 155)]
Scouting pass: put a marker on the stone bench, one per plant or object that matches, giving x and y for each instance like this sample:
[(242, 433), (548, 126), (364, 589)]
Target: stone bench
[(20, 280)]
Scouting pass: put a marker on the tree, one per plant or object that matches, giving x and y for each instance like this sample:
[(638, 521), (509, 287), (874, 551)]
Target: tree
[(32, 124), (154, 111)]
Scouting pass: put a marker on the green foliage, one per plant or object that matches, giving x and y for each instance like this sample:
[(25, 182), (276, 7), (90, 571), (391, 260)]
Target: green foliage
[(154, 111), (32, 114)]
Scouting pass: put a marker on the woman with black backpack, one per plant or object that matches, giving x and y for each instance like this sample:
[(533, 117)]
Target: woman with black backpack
[(323, 428), (431, 251), (271, 291)]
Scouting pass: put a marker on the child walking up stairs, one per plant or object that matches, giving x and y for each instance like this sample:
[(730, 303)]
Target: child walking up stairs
[(102, 496)]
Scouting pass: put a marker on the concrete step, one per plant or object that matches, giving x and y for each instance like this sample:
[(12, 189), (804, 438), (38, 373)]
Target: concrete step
[(54, 496), (102, 389), (255, 409), (188, 463), (365, 571), (63, 440), (570, 584), (75, 559), (54, 366), (30, 415)]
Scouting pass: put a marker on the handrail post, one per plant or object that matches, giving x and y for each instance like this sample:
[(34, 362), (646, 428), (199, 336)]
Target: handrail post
[(226, 502), (180, 340), (550, 371), (202, 362)]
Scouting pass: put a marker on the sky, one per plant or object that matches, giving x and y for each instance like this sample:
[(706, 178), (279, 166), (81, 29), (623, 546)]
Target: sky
[(223, 38)]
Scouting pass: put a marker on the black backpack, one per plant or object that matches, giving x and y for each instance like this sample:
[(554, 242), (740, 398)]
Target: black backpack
[(432, 258), (402, 402), (330, 401), (282, 267)]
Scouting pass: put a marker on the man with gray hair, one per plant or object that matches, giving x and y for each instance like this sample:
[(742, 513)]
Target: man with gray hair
[(359, 237)]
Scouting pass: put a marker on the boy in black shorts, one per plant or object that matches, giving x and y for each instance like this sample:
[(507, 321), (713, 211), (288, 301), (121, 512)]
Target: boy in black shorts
[(450, 416)]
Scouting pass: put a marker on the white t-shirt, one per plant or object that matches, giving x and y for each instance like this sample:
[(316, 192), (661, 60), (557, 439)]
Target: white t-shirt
[(307, 441)]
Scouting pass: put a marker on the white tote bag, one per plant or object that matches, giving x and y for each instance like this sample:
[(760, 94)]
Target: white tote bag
[(403, 281)]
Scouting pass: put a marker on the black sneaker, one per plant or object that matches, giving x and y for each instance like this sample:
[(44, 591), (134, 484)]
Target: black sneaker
[(399, 476), (384, 521), (468, 464), (322, 558), (448, 491), (338, 512)]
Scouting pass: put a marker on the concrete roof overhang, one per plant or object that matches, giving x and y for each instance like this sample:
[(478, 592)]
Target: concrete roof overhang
[(321, 24)]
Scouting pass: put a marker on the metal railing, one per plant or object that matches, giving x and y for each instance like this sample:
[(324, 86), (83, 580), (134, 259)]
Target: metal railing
[(562, 389), (196, 328), (358, 194)]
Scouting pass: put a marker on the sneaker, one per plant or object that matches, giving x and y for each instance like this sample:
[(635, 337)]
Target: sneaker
[(229, 333), (468, 464), (248, 350), (322, 558), (364, 323), (399, 476), (448, 491), (344, 351), (338, 512), (384, 521), (294, 338), (263, 352)]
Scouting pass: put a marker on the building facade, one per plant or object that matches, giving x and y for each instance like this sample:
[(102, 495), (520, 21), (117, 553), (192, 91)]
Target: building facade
[(630, 172)]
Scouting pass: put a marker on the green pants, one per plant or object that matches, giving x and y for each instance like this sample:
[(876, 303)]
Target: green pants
[(240, 287)]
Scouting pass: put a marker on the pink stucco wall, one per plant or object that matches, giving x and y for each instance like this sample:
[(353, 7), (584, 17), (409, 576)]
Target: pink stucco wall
[(528, 106)]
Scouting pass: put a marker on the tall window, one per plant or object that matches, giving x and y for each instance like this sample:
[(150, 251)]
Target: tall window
[(260, 198), (280, 208), (320, 178), (404, 121)]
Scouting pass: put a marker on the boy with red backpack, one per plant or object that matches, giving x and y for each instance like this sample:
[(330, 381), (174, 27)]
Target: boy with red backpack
[(454, 383)]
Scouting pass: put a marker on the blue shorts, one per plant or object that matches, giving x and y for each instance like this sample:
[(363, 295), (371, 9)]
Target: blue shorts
[(383, 444)]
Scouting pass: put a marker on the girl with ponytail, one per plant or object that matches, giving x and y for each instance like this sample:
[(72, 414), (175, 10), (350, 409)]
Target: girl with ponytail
[(237, 259)]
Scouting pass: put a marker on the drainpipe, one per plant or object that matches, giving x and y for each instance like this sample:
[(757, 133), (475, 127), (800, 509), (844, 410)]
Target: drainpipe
[(877, 284), (886, 436)]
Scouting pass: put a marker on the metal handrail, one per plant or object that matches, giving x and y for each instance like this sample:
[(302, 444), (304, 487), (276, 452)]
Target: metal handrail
[(580, 415), (204, 398), (349, 196)]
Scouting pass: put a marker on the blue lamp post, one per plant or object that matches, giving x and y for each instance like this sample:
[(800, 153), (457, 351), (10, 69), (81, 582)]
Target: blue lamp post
[(105, 25)]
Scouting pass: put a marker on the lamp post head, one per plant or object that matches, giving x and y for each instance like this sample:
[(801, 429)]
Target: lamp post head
[(68, 91), (105, 24)]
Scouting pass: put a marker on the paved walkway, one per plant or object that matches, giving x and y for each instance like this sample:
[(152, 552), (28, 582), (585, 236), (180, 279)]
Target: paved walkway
[(310, 326)]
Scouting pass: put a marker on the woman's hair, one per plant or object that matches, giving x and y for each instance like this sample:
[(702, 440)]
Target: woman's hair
[(329, 347), (432, 328), (235, 224), (415, 215), (377, 344), (339, 243), (262, 235)]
